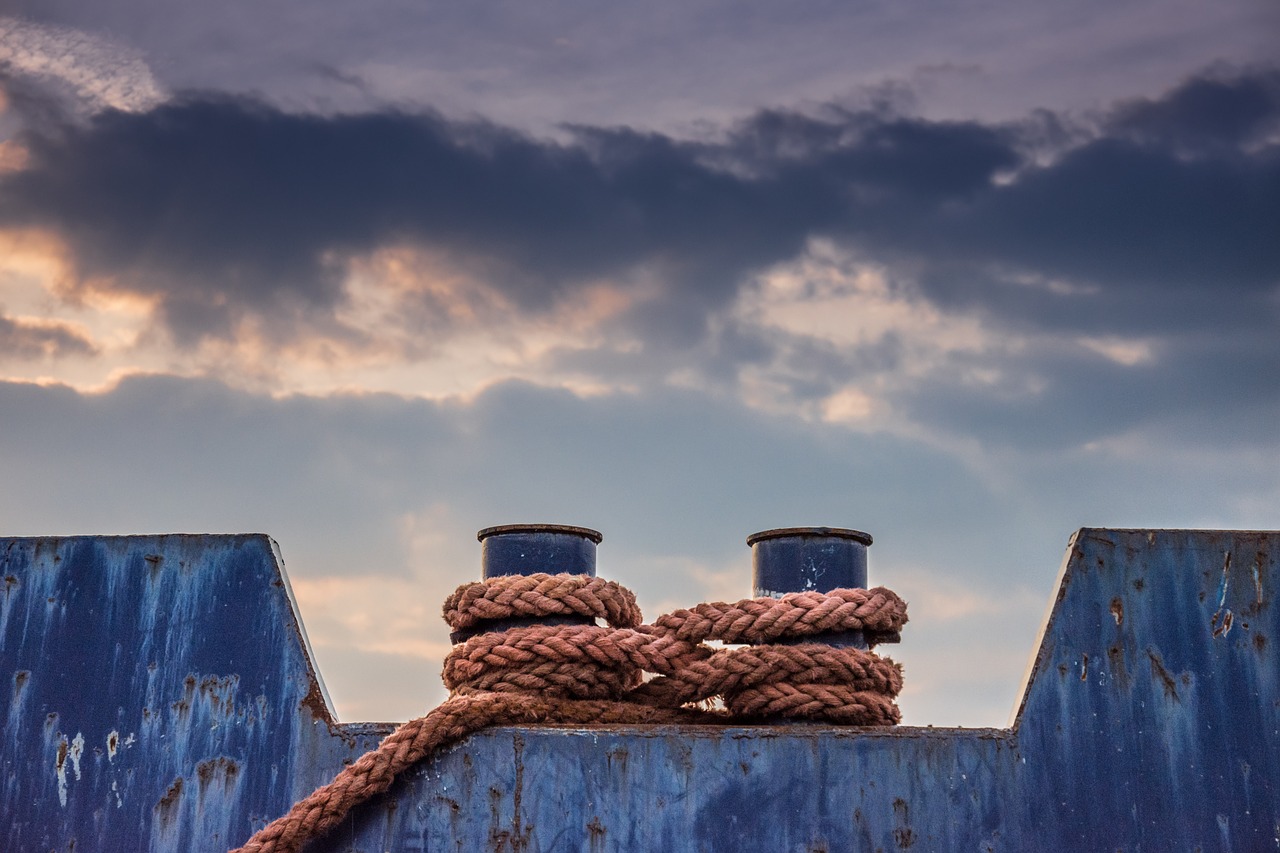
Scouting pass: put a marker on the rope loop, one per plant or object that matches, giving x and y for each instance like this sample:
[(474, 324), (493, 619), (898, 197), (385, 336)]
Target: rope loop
[(505, 674), (796, 614), (515, 596)]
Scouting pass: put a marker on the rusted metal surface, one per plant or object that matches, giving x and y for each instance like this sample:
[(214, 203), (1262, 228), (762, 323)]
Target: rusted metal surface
[(1150, 721)]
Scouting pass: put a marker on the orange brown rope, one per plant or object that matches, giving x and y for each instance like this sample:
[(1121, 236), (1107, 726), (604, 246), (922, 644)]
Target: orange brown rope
[(589, 674)]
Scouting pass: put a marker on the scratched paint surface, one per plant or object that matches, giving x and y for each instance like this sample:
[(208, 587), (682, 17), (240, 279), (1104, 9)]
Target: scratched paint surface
[(153, 693), (1151, 721)]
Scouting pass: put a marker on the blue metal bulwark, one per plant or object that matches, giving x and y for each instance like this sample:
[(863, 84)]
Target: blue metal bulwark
[(161, 697)]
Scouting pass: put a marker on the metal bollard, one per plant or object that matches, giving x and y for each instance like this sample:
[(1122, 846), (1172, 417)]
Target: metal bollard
[(811, 559), (527, 549), (530, 549)]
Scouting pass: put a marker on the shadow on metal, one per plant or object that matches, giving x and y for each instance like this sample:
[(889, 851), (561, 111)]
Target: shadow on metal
[(161, 696)]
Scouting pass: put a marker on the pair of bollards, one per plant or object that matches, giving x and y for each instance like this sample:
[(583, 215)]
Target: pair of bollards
[(784, 560)]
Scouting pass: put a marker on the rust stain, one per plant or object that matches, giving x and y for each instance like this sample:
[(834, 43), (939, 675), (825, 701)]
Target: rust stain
[(903, 835), (314, 702), (1117, 610), (220, 693), (1166, 678), (620, 755), (208, 771), (1224, 627), (497, 836), (1220, 624), (60, 769), (1119, 671), (595, 834), (520, 833), (1084, 667), (167, 805)]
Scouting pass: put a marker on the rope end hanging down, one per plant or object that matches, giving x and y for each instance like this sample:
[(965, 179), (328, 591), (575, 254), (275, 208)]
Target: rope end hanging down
[(582, 673)]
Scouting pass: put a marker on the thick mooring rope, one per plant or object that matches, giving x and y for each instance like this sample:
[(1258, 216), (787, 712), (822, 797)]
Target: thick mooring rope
[(586, 674)]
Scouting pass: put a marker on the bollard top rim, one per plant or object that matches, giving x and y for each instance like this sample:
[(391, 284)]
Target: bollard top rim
[(568, 529), (812, 532)]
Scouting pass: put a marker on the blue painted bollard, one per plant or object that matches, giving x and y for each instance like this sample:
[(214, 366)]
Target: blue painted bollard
[(527, 549), (811, 559), (530, 549)]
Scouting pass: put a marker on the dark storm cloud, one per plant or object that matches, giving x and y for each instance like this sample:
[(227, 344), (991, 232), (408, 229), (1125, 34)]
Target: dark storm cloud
[(222, 206), (1158, 220), (1168, 215), (1131, 216), (32, 101), (1210, 113)]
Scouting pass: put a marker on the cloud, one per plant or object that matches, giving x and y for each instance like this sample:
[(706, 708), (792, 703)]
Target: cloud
[(1213, 113), (35, 338), (92, 71), (1020, 264), (223, 208), (223, 205), (536, 67)]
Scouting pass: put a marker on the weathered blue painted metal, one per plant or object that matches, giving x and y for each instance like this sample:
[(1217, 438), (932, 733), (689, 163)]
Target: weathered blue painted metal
[(1150, 721), (160, 694), (527, 549), (797, 559)]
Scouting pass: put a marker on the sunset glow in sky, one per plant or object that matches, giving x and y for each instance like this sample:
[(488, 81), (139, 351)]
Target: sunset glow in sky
[(369, 277)]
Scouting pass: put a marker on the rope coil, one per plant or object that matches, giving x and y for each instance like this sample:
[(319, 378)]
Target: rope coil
[(586, 673)]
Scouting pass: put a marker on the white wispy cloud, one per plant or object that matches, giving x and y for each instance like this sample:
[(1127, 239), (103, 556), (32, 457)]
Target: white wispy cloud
[(101, 72)]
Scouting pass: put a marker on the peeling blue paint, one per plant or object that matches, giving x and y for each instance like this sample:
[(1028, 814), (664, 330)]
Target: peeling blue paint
[(163, 684)]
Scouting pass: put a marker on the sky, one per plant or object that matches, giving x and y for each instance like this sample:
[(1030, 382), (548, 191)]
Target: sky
[(370, 277)]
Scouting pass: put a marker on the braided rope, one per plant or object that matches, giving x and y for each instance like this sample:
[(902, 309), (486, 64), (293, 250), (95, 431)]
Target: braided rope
[(541, 595), (589, 674), (796, 614)]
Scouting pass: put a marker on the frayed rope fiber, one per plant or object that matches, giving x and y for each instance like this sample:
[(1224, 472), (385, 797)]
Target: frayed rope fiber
[(583, 673)]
